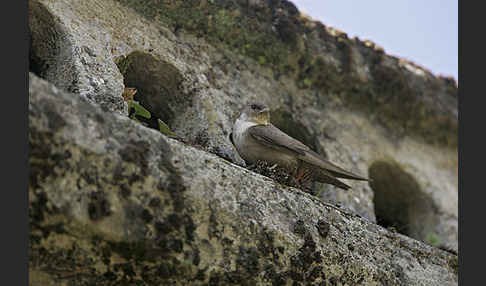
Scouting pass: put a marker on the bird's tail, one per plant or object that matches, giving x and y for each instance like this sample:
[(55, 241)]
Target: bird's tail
[(325, 177), (333, 181), (335, 171)]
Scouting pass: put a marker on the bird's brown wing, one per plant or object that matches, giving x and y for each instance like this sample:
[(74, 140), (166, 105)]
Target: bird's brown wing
[(315, 159), (273, 137)]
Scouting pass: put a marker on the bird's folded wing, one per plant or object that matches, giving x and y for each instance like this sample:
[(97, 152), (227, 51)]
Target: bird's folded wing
[(273, 137), (314, 159)]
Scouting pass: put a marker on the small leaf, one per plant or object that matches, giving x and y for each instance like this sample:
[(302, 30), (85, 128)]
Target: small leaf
[(138, 109), (164, 129), (433, 239)]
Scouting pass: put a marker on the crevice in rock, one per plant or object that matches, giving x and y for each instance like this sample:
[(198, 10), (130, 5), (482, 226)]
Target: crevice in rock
[(36, 65), (401, 203), (158, 84)]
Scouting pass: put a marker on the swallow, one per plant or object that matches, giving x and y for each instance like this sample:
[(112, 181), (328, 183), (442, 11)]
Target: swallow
[(257, 139)]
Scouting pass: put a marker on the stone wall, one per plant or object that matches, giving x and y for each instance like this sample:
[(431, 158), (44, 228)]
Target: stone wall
[(194, 65)]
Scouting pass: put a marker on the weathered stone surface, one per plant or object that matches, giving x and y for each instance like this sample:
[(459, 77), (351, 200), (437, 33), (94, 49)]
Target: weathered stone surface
[(115, 203), (196, 63), (75, 54)]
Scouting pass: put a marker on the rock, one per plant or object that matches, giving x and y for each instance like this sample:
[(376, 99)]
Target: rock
[(112, 202), (75, 54), (196, 66)]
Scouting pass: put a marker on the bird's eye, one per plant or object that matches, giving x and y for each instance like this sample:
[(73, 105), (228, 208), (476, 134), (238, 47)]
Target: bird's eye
[(254, 106)]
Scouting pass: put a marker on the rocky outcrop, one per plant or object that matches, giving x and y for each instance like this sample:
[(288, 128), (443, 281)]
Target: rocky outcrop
[(114, 203), (74, 55), (194, 65)]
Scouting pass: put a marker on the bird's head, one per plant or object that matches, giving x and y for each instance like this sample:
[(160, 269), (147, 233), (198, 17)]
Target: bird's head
[(257, 113)]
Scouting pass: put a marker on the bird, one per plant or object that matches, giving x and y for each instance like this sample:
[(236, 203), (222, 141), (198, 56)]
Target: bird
[(256, 139)]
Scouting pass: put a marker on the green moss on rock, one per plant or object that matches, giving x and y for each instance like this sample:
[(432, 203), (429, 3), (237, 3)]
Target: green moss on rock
[(272, 34)]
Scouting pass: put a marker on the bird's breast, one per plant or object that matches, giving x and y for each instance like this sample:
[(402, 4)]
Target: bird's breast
[(251, 150)]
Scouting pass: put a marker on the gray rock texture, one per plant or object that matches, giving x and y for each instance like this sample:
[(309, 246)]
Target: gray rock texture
[(75, 54), (119, 200), (114, 203)]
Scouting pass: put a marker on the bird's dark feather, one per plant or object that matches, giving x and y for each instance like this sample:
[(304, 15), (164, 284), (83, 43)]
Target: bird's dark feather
[(271, 136)]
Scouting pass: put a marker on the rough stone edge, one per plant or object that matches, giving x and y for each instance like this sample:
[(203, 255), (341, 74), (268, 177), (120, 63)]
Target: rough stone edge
[(431, 260)]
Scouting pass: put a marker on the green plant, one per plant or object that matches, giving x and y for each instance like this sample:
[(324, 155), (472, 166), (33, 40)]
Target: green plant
[(432, 238), (164, 129), (135, 110)]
